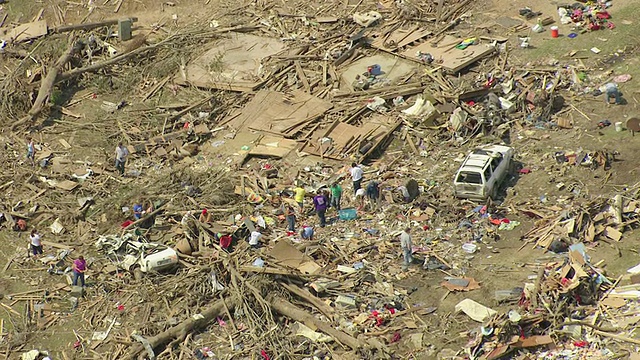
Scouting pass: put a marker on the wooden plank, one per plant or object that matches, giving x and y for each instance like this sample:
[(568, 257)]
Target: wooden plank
[(302, 76)]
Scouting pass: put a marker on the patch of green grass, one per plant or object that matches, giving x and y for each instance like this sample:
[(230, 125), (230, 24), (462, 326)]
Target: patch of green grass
[(624, 37), (21, 11)]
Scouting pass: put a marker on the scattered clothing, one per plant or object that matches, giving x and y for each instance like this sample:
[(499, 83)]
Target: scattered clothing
[(21, 225), (225, 241), (254, 238)]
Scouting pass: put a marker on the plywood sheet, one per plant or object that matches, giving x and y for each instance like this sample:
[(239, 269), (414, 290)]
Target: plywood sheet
[(446, 55), (278, 113), (28, 31), (274, 147), (289, 256), (231, 63)]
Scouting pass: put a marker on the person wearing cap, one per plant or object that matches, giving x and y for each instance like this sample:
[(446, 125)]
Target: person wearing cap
[(406, 244), (205, 216)]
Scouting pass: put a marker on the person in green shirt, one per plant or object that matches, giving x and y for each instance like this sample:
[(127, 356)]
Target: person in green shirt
[(336, 195)]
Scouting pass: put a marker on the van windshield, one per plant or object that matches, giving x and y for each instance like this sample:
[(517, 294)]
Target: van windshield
[(469, 177)]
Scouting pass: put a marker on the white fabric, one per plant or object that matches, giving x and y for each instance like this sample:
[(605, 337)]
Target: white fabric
[(255, 237)]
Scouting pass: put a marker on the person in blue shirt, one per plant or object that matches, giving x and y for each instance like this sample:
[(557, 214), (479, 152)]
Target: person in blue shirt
[(373, 193), (306, 232), (137, 210)]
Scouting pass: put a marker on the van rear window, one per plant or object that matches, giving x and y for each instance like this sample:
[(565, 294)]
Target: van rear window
[(469, 177)]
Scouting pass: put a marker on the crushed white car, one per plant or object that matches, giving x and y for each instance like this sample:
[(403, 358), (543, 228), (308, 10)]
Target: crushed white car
[(482, 172), (137, 256)]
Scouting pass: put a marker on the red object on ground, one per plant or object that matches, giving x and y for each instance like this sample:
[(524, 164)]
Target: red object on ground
[(225, 241), (264, 355), (126, 223), (580, 344), (395, 338), (524, 171)]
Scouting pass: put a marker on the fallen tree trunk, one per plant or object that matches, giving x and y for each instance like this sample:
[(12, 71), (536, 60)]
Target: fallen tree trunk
[(180, 331), (289, 310), (87, 27), (46, 86)]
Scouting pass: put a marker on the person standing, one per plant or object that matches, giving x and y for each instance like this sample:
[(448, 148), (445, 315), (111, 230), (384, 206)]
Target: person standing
[(79, 268), (373, 193), (406, 244), (336, 195), (299, 194), (291, 219), (121, 158), (356, 175), (31, 152), (36, 243), (320, 203)]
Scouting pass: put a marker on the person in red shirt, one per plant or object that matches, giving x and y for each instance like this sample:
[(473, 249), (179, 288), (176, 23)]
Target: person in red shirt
[(79, 268)]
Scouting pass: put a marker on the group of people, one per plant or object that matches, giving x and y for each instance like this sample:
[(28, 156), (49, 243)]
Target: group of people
[(78, 267)]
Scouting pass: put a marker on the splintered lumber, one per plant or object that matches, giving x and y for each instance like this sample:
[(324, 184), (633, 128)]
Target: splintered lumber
[(289, 310), (49, 81), (89, 26), (304, 294), (180, 331)]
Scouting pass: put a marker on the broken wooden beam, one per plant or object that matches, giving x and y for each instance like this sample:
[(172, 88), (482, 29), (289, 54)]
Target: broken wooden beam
[(289, 310), (89, 26)]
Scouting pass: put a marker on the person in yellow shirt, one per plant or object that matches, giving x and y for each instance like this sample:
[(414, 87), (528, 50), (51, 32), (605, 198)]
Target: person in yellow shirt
[(299, 196)]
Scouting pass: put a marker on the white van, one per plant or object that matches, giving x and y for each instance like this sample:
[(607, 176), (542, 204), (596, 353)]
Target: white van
[(482, 172), (137, 256)]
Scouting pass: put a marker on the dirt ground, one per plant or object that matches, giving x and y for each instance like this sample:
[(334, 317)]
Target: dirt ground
[(499, 265)]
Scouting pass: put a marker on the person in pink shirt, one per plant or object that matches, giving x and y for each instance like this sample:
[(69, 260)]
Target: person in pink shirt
[(79, 268)]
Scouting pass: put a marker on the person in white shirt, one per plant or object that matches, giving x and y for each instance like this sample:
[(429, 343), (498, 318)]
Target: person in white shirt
[(406, 244), (36, 243), (356, 175), (254, 239), (121, 157)]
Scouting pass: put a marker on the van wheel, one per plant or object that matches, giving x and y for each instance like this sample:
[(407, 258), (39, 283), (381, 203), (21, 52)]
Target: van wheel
[(137, 273)]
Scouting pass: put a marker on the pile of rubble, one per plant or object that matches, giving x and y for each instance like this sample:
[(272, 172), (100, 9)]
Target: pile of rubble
[(172, 273)]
